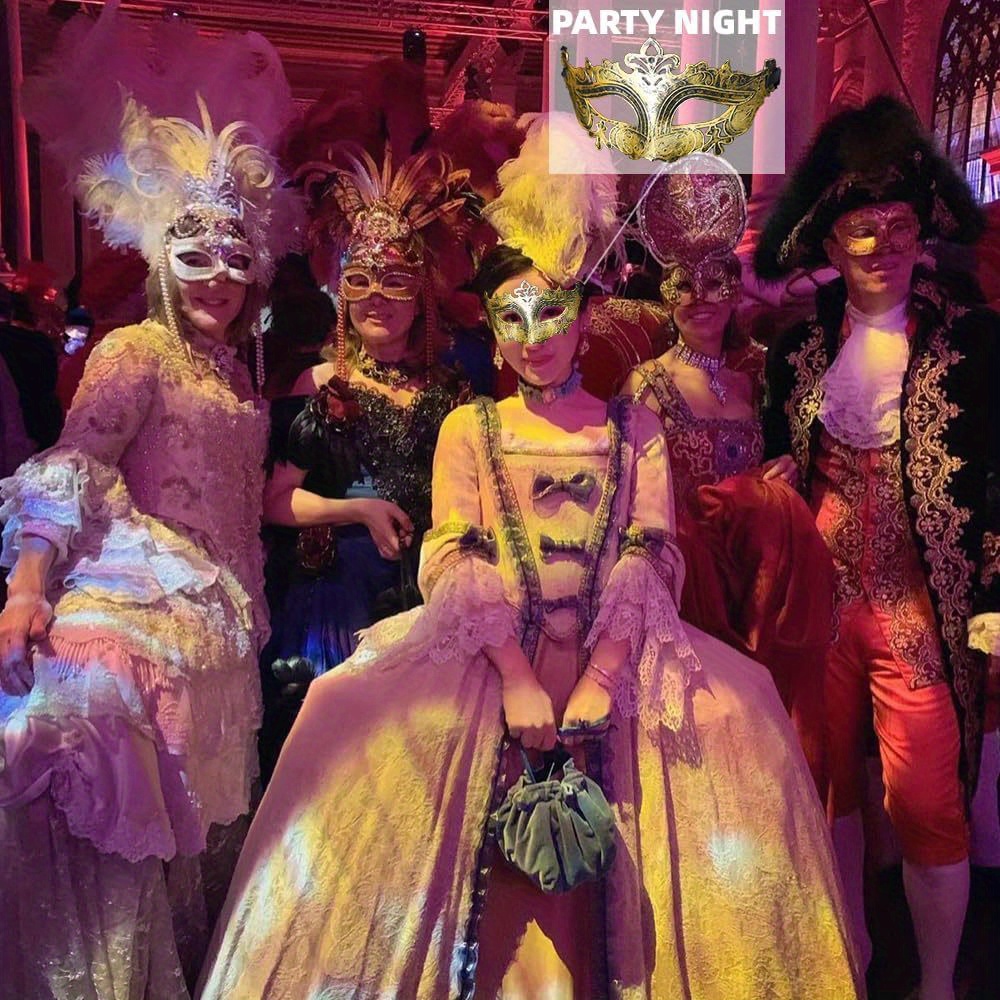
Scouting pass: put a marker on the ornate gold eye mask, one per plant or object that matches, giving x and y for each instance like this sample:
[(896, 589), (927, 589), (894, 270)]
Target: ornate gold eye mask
[(532, 315), (359, 282), (655, 90), (717, 280), (864, 230)]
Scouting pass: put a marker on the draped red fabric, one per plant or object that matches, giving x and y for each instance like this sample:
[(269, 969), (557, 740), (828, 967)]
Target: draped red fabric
[(760, 578)]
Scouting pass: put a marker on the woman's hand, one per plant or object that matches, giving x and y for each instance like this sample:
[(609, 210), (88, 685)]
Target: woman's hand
[(24, 619), (783, 467), (528, 711), (589, 703), (388, 524)]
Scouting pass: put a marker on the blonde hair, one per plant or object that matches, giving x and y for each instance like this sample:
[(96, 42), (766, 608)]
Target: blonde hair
[(239, 330)]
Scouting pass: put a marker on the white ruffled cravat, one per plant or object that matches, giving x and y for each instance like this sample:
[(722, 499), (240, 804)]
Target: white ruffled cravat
[(863, 386)]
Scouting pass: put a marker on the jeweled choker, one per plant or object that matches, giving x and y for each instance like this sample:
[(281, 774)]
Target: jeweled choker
[(549, 393), (393, 374), (696, 359)]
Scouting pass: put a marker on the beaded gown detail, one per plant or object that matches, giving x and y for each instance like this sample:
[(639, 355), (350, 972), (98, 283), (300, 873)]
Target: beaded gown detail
[(759, 575), (364, 870), (139, 731)]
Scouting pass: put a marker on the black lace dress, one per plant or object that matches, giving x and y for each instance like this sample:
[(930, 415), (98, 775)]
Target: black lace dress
[(326, 583)]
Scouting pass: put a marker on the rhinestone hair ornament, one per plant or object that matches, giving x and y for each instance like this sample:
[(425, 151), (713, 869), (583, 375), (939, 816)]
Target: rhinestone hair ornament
[(651, 84), (691, 217)]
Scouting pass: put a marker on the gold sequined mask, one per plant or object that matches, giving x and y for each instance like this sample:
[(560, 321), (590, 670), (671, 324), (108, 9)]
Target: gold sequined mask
[(867, 229), (655, 90), (532, 315), (360, 282), (717, 280)]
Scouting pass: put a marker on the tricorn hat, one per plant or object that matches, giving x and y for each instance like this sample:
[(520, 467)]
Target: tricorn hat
[(876, 153)]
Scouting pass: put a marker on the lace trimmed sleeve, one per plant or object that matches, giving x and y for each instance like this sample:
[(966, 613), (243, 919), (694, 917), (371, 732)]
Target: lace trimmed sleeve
[(62, 492), (458, 562), (639, 602)]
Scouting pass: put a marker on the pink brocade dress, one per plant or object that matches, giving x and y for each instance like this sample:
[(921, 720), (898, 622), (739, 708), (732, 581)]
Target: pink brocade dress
[(759, 575), (367, 873), (139, 731)]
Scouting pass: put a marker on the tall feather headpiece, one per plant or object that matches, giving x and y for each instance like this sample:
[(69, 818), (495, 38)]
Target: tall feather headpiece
[(372, 213), (142, 147), (564, 222), (171, 177)]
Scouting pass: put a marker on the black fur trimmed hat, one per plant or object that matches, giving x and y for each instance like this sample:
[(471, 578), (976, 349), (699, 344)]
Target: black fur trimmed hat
[(876, 153)]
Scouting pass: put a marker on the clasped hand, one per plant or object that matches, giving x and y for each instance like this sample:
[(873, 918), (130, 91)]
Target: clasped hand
[(531, 718), (24, 619), (389, 525)]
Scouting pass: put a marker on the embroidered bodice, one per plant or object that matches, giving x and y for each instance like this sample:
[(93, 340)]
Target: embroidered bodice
[(188, 444), (702, 450), (558, 489), (347, 430)]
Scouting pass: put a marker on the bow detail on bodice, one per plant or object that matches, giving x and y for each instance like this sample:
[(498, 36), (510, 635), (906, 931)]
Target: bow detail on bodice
[(579, 486), (560, 546), (480, 540)]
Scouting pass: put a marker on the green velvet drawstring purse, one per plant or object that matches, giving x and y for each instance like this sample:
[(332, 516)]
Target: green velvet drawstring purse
[(559, 832)]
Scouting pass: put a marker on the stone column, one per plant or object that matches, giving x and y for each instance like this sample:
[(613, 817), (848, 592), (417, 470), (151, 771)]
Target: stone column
[(798, 81), (694, 48), (19, 136)]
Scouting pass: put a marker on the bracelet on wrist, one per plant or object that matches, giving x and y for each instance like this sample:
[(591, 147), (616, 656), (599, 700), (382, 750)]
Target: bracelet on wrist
[(600, 677)]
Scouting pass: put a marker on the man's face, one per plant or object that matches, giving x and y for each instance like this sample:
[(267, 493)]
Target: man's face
[(875, 248)]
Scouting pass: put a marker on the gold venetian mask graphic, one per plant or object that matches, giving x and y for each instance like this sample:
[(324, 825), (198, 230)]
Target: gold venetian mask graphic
[(655, 90)]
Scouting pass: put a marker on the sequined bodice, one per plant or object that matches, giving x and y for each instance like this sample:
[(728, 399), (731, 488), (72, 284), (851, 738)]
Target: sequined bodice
[(396, 445), (702, 450)]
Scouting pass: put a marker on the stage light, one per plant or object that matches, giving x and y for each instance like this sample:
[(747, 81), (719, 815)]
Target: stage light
[(415, 46)]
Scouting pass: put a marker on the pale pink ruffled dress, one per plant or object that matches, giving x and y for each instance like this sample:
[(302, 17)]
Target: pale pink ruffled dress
[(139, 731)]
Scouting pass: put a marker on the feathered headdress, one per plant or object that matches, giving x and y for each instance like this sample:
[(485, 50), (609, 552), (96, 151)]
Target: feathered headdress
[(565, 223), (364, 209), (171, 177), (376, 216), (143, 158)]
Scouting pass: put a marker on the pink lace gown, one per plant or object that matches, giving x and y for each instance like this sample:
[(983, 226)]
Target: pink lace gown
[(364, 874), (139, 731)]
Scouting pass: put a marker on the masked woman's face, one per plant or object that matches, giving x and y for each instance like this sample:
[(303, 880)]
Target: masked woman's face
[(536, 327)]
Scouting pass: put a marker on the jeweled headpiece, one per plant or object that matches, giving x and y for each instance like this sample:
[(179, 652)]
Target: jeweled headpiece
[(375, 216), (172, 181), (370, 212), (655, 90), (691, 218)]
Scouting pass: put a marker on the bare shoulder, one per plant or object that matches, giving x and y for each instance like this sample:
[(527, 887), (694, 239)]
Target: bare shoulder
[(312, 378)]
